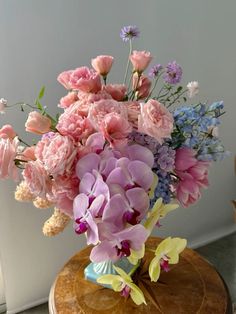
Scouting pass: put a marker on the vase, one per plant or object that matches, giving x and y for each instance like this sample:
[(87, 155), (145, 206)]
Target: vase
[(95, 270)]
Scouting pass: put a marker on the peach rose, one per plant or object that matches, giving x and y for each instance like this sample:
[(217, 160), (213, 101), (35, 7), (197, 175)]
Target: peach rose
[(155, 120), (140, 60), (117, 91), (7, 131), (37, 123), (102, 64), (86, 80), (115, 129), (142, 86), (8, 151), (57, 153)]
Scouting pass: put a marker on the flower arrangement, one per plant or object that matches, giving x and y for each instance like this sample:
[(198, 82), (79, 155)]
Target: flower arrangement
[(117, 160)]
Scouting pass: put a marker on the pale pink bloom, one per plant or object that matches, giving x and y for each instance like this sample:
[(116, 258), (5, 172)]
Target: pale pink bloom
[(134, 109), (101, 108), (3, 104), (68, 100), (140, 60), (64, 190), (117, 91), (193, 89), (85, 100), (64, 79), (57, 153), (73, 123), (37, 123), (115, 129), (86, 80), (94, 144), (155, 120), (141, 85), (29, 153), (8, 151), (102, 64), (7, 131), (37, 178), (192, 174)]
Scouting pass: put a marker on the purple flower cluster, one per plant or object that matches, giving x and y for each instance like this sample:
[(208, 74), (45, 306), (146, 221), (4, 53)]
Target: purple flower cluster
[(113, 199), (173, 73), (155, 70), (129, 32)]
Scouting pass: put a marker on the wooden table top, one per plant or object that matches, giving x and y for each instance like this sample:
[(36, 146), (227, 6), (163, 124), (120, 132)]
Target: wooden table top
[(191, 286)]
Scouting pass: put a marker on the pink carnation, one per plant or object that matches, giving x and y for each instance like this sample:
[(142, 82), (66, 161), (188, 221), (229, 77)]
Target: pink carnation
[(101, 108), (37, 178), (57, 153), (8, 151), (29, 153), (115, 129), (68, 100), (140, 60), (117, 91), (155, 120), (64, 79), (133, 112), (74, 124), (102, 64), (86, 80), (192, 173)]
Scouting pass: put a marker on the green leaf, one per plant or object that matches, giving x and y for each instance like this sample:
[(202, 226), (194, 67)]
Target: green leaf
[(38, 104), (41, 93), (179, 89)]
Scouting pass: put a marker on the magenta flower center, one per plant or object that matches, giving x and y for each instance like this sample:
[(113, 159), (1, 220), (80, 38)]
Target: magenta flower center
[(131, 217), (164, 263), (81, 226), (125, 292), (125, 249)]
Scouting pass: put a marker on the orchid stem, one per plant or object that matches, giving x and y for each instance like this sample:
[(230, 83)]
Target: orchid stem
[(133, 270)]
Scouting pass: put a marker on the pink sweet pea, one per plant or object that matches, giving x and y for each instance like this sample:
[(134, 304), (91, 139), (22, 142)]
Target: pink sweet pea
[(37, 123), (115, 129), (140, 60), (141, 85), (64, 79), (57, 153), (8, 151), (155, 120), (86, 80), (192, 173), (7, 131), (117, 91), (102, 64)]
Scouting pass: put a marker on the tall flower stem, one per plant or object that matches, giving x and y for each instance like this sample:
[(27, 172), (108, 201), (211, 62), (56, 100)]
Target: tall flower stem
[(133, 270), (128, 61), (154, 86)]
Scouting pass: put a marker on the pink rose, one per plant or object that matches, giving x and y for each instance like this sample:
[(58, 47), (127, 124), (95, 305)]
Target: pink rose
[(73, 123), (115, 129), (86, 80), (192, 174), (117, 91), (100, 109), (102, 64), (140, 60), (64, 79), (141, 85), (133, 112), (37, 123), (68, 100), (155, 120), (37, 178), (57, 153), (8, 151), (7, 131)]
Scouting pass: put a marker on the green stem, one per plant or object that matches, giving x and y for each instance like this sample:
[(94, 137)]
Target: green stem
[(133, 270), (105, 80), (128, 61), (154, 86), (23, 142), (176, 98)]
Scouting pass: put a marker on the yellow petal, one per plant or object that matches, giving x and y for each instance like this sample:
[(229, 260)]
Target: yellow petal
[(107, 279), (122, 274), (151, 193), (117, 284), (154, 216), (178, 245), (154, 269), (167, 208), (164, 247), (135, 256), (136, 294)]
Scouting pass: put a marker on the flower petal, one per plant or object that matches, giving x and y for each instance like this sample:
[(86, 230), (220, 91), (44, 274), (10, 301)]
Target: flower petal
[(87, 164), (136, 294), (155, 269)]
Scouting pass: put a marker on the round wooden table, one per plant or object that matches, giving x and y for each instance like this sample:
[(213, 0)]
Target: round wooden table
[(192, 286)]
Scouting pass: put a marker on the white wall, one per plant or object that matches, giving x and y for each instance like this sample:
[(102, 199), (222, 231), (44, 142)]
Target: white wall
[(39, 39)]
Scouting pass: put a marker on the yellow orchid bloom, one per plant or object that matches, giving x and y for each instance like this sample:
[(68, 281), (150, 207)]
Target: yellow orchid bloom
[(123, 283), (158, 211), (151, 193), (135, 256), (167, 252)]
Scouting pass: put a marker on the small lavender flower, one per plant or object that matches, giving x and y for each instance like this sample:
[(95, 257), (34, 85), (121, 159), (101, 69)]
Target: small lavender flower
[(129, 32), (173, 73), (155, 70)]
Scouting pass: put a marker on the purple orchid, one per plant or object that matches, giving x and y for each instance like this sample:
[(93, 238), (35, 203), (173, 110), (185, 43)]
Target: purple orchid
[(85, 216), (119, 244)]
